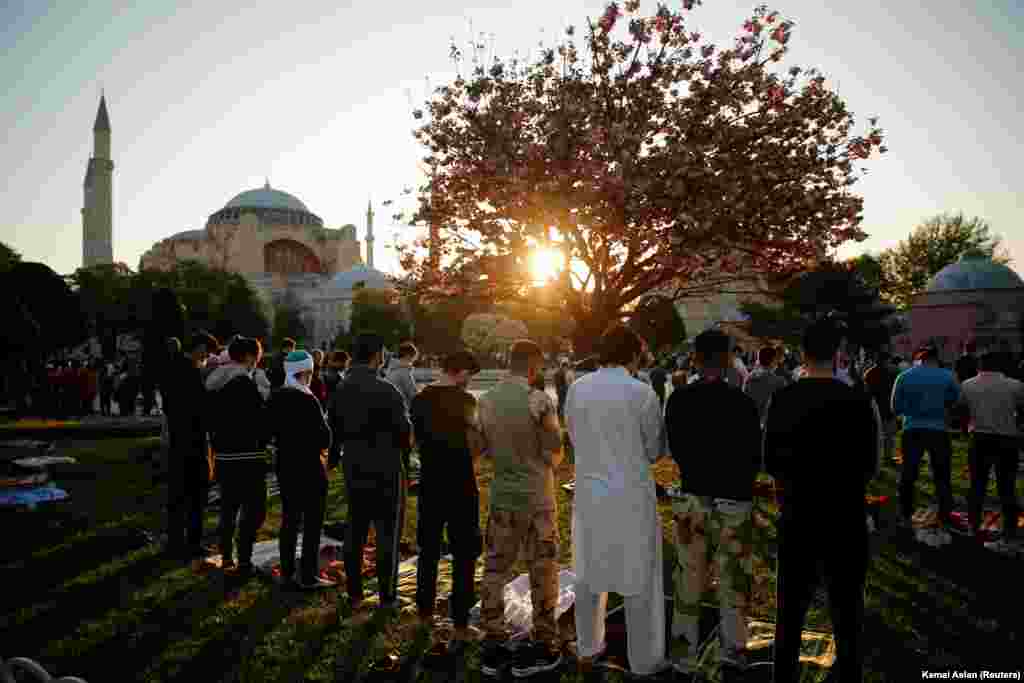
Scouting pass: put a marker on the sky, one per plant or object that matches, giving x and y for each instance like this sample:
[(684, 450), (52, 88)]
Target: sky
[(209, 99)]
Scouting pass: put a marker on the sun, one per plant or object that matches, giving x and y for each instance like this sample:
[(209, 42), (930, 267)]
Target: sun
[(545, 263)]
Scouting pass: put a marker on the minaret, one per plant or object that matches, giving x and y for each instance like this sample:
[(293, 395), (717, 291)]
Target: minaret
[(369, 234), (97, 211)]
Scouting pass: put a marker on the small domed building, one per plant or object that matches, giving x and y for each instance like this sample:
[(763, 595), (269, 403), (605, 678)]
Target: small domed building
[(973, 300), (279, 245)]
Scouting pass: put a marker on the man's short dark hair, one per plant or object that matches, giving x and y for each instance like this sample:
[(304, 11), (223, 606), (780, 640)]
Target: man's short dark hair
[(522, 353), (821, 340), (766, 356), (620, 346), (366, 347), (204, 338), (712, 348), (459, 361), (407, 350), (991, 361), (288, 344), (242, 347)]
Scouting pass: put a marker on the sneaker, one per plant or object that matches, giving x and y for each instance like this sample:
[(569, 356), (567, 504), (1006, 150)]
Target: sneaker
[(1004, 547), (492, 657), (317, 584), (535, 659)]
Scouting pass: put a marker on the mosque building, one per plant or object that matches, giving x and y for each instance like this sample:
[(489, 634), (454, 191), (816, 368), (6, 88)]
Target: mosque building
[(265, 234), (973, 300)]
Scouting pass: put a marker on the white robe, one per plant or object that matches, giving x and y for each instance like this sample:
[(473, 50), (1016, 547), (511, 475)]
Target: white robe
[(617, 431)]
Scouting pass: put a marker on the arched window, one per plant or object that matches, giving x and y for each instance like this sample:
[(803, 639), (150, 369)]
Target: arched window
[(289, 257)]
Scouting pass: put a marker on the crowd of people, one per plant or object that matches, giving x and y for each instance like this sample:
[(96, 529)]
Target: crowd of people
[(721, 423)]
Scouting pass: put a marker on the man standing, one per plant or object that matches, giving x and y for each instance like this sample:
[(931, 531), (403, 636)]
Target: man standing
[(921, 395), (368, 417), (400, 373), (276, 372), (966, 366), (994, 401), (522, 434), (879, 380), (763, 380), (659, 378), (562, 386), (716, 507), (814, 425), (302, 437), (188, 465), (444, 418), (616, 428), (236, 418)]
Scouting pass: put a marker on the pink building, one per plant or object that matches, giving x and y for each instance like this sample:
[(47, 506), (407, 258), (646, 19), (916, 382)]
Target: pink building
[(973, 299)]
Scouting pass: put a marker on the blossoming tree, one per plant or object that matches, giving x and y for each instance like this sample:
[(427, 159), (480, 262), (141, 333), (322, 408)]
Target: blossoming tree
[(651, 159)]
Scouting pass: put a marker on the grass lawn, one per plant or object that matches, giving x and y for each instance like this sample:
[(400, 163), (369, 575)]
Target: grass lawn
[(102, 605)]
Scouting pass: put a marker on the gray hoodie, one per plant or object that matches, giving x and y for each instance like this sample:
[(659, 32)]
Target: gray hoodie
[(760, 386)]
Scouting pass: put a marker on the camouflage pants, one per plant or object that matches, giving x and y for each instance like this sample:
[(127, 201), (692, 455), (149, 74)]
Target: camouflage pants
[(507, 532), (721, 529)]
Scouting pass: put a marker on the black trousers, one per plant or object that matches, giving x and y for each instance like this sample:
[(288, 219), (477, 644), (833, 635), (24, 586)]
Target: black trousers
[(804, 560), (380, 501), (916, 442), (460, 513), (303, 503), (187, 489), (243, 504), (988, 450)]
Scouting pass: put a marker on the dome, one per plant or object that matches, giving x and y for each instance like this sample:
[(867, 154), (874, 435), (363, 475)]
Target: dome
[(188, 235), (974, 270), (370, 277), (266, 197)]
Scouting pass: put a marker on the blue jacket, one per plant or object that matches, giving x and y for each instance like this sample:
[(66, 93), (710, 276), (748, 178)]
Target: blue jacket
[(922, 394)]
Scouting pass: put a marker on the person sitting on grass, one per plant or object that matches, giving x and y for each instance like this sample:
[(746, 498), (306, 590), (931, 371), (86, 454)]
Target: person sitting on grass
[(300, 431)]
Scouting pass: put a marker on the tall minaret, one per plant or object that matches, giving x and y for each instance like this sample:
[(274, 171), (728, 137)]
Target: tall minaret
[(97, 212), (369, 234)]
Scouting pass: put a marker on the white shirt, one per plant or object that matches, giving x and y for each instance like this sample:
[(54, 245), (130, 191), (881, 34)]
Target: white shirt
[(617, 431)]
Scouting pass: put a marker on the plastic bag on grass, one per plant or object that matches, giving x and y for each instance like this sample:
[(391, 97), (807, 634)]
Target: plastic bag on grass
[(519, 606)]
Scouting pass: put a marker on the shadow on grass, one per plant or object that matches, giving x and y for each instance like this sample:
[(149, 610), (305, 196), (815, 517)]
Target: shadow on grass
[(142, 640), (61, 612), (44, 572), (224, 657)]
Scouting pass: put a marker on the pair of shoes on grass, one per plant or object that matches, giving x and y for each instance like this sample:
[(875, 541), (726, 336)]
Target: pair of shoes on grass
[(1004, 546), (527, 660)]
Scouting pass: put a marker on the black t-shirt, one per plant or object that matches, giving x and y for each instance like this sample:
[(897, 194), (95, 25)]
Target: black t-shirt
[(442, 417), (966, 367), (821, 442), (714, 433)]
